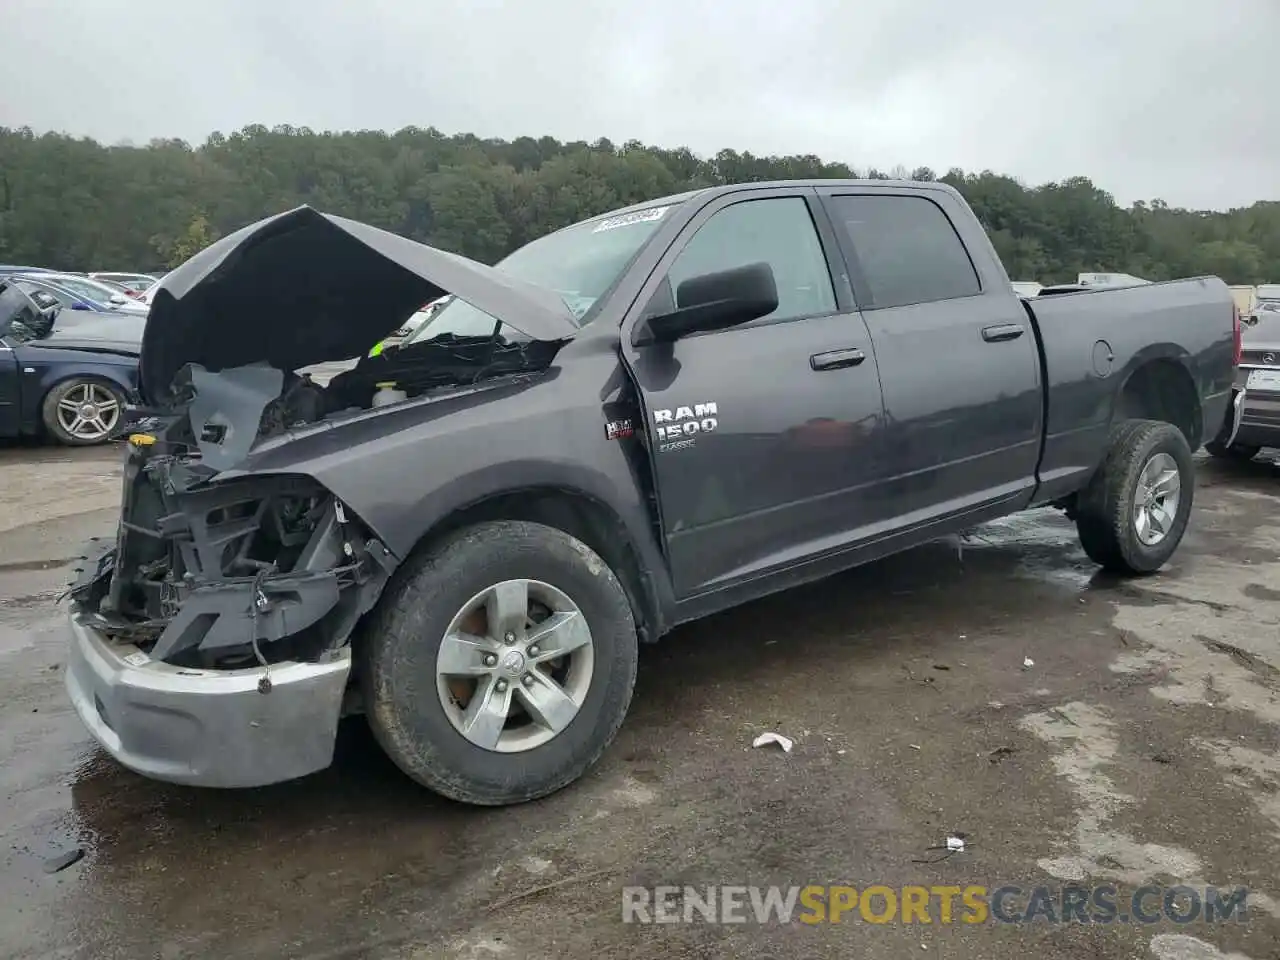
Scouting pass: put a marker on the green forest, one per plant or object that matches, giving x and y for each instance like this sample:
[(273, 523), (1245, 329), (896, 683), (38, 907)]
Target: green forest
[(73, 203)]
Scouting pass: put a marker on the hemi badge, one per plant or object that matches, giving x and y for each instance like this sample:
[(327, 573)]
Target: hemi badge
[(618, 429)]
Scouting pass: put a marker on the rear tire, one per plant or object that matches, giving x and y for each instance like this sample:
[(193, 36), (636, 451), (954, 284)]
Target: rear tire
[(413, 703), (1236, 451), (1134, 511)]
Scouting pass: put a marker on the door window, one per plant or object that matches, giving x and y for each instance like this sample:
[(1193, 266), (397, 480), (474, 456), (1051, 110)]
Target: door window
[(778, 231), (908, 250)]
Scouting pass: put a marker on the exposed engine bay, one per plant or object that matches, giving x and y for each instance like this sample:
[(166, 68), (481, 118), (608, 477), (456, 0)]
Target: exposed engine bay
[(222, 573), (280, 401)]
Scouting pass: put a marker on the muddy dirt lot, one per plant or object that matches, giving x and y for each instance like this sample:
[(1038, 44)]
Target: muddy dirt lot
[(1074, 729)]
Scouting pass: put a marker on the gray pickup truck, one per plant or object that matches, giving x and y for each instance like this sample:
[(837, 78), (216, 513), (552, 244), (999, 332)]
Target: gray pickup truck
[(630, 423)]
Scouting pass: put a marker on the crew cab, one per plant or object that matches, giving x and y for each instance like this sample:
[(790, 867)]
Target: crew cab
[(630, 423)]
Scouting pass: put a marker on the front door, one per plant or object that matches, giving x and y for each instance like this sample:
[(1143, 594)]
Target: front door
[(763, 436), (10, 391)]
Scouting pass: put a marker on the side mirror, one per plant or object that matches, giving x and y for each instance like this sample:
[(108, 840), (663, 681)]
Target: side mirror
[(118, 298), (715, 301)]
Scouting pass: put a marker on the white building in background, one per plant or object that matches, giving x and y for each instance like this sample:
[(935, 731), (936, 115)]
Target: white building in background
[(1109, 280), (1246, 299)]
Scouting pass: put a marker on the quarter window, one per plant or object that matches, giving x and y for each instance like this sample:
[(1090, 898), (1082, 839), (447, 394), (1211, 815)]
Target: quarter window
[(908, 249)]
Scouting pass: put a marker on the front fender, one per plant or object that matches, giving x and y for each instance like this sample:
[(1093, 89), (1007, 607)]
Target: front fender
[(41, 370), (405, 470)]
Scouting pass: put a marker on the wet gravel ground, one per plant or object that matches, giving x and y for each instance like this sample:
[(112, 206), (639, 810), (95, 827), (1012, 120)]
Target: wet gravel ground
[(1075, 729)]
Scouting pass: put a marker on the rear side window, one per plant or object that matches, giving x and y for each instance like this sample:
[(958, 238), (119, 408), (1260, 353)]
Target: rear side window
[(908, 250)]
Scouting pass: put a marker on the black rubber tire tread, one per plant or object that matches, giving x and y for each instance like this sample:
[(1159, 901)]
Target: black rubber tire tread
[(49, 410), (1104, 515), (398, 654), (1234, 452)]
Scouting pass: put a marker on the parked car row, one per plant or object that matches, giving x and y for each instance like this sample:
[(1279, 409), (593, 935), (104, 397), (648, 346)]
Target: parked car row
[(135, 283)]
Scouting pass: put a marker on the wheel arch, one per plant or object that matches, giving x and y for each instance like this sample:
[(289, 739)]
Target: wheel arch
[(580, 514), (1162, 388)]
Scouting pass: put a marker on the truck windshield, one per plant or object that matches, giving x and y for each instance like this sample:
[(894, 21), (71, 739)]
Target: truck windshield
[(579, 262)]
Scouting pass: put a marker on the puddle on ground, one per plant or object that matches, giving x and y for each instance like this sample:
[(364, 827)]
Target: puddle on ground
[(1041, 545)]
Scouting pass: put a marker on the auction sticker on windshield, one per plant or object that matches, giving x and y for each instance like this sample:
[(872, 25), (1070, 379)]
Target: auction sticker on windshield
[(627, 219)]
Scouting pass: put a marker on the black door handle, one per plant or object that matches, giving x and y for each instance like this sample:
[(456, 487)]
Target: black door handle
[(1001, 332), (837, 359)]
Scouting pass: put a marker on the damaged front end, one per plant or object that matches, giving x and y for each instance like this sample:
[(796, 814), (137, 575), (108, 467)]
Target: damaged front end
[(244, 572), (211, 639)]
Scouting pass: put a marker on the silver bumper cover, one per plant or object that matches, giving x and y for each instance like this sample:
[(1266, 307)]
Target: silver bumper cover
[(1237, 413), (209, 728)]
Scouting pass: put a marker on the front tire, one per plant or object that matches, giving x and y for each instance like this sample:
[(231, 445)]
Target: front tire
[(1134, 511), (500, 663), (82, 411)]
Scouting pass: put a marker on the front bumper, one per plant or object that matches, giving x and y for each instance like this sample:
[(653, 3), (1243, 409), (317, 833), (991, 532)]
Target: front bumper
[(209, 728)]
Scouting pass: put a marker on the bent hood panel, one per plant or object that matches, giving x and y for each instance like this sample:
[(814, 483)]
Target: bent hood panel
[(305, 287)]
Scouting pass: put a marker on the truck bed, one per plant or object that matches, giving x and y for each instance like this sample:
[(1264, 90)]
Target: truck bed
[(1092, 342)]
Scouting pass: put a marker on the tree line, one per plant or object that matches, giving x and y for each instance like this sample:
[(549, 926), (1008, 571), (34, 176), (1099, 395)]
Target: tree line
[(73, 203)]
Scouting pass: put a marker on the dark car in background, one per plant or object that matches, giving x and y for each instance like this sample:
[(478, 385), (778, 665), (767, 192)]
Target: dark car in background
[(70, 381), (100, 292), (8, 268), (37, 286), (1254, 419)]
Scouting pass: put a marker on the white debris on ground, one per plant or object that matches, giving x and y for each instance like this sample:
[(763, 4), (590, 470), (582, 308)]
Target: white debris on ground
[(766, 739), (1179, 946)]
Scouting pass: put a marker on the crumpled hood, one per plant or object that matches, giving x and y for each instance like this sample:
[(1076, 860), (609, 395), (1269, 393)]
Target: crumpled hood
[(305, 287)]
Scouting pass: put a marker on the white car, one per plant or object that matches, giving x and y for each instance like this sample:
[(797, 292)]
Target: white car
[(95, 290), (137, 282)]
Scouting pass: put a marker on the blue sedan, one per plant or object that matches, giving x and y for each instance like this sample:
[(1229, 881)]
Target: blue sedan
[(70, 382)]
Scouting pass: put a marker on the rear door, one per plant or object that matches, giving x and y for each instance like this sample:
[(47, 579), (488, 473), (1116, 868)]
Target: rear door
[(14, 305), (764, 437), (959, 365)]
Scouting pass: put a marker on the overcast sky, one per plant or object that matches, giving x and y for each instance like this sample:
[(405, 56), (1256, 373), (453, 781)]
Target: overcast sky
[(1178, 99)]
